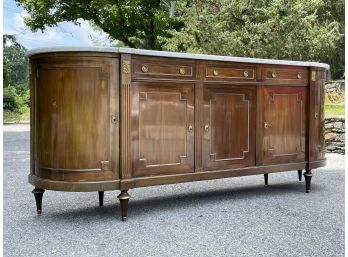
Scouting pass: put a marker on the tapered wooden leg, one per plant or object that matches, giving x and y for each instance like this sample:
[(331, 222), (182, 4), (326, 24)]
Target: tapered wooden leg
[(124, 198), (299, 175), (308, 176), (38, 193), (101, 198), (266, 178)]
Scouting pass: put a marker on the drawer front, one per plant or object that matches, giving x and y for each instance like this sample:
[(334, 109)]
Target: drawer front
[(163, 69), (288, 76), (236, 73)]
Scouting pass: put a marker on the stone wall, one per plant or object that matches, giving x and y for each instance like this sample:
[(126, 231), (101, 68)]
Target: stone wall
[(334, 135)]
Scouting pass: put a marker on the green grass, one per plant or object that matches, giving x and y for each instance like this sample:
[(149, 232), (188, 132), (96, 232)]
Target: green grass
[(15, 117), (334, 110)]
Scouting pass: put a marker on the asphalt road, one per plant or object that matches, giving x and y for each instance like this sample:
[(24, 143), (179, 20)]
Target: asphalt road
[(226, 217)]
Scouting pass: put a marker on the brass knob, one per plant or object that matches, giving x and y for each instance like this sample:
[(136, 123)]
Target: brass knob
[(299, 75), (190, 128), (274, 75), (206, 127), (144, 68), (215, 72), (246, 73), (182, 71), (266, 124)]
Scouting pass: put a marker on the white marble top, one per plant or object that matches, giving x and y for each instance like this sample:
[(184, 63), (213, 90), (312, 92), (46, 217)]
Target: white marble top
[(173, 54)]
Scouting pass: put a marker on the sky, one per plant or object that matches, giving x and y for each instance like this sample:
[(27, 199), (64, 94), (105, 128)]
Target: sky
[(65, 34)]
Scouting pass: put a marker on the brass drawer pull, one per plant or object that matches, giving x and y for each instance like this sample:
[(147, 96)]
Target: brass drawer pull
[(215, 72), (206, 127), (145, 68), (182, 71), (190, 128), (274, 75), (246, 73), (299, 75)]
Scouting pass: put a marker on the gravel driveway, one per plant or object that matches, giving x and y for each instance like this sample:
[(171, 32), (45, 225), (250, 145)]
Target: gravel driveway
[(226, 217)]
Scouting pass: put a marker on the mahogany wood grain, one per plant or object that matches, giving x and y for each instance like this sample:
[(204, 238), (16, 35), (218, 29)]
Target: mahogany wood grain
[(284, 121), (149, 67), (316, 115), (229, 127), (162, 128), (66, 90)]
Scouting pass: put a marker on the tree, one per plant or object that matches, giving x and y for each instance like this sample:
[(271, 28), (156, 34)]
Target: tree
[(137, 23), (15, 64), (15, 79), (296, 30)]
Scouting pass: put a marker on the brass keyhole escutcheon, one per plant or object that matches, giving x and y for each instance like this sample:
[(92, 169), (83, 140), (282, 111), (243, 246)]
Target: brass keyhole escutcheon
[(316, 115), (182, 71), (299, 75), (144, 68), (190, 128), (215, 72), (274, 75), (206, 127), (246, 73), (113, 119)]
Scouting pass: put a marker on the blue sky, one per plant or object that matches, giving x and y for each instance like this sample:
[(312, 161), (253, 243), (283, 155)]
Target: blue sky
[(65, 34)]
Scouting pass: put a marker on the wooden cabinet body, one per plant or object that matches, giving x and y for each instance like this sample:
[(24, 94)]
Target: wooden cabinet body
[(106, 120)]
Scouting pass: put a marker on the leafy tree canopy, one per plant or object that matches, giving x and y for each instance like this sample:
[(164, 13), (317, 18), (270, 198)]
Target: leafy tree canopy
[(311, 30), (15, 64), (137, 23)]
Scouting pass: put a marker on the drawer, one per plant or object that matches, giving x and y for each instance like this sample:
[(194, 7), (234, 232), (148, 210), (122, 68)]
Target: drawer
[(163, 68), (228, 72), (288, 76)]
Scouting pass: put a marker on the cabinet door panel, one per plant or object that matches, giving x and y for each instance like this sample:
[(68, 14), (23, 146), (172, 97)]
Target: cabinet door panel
[(74, 139), (284, 124), (229, 122), (162, 128)]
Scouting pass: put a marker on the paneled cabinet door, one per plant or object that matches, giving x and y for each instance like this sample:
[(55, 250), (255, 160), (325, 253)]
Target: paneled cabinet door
[(162, 128), (73, 105), (228, 127), (284, 124)]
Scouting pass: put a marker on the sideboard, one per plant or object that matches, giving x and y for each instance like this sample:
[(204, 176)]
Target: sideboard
[(119, 118)]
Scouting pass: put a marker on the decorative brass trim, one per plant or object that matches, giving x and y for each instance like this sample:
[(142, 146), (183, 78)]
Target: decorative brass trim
[(182, 71), (126, 66), (144, 68)]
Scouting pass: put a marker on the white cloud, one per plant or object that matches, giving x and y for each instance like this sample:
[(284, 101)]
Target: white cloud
[(66, 33)]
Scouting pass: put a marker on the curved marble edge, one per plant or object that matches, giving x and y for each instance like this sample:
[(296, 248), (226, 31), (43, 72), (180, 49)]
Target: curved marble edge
[(173, 55)]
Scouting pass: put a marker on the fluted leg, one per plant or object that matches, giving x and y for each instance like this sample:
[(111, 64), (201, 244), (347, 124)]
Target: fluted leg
[(38, 193), (124, 198), (299, 175), (308, 176), (101, 198), (266, 178)]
